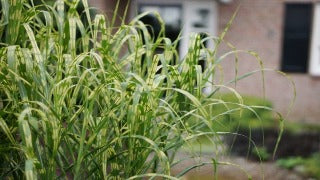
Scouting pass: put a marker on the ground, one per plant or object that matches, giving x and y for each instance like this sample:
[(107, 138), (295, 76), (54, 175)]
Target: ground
[(266, 170)]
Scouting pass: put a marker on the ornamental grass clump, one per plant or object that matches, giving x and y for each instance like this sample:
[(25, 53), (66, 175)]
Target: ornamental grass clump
[(83, 99)]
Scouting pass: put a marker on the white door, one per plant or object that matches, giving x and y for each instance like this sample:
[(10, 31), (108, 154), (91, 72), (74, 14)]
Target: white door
[(198, 17), (314, 65)]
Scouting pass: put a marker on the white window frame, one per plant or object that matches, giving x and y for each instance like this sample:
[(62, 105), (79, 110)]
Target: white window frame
[(314, 63)]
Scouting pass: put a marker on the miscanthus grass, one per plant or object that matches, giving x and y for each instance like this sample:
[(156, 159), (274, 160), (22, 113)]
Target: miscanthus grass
[(83, 99)]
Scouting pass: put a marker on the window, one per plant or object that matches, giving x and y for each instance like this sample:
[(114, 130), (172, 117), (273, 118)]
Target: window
[(171, 15), (297, 32)]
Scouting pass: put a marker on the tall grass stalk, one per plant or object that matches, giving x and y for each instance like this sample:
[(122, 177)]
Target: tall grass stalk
[(79, 99)]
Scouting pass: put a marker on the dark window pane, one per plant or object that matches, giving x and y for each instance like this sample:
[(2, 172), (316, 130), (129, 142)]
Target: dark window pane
[(203, 15), (171, 15), (296, 38), (202, 59)]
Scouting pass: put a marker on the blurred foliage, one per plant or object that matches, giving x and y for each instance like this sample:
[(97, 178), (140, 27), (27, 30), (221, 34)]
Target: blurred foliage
[(252, 114), (309, 166), (262, 153), (259, 116), (298, 127)]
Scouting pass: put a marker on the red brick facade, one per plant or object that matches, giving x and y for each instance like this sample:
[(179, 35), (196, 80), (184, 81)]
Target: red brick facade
[(258, 26)]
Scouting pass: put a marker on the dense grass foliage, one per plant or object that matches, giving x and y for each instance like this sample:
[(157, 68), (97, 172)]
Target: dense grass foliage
[(87, 100)]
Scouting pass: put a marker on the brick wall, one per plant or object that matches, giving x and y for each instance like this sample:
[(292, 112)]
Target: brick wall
[(258, 26), (107, 7)]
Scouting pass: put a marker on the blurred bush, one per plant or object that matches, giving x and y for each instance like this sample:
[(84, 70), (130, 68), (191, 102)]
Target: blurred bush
[(249, 114), (308, 166)]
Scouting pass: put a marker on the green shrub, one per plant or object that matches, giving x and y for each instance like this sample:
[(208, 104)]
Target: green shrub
[(260, 116), (290, 162), (309, 166), (298, 127), (261, 153), (91, 101), (256, 114)]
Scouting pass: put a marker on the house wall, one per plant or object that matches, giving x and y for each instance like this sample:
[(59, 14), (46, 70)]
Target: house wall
[(258, 26), (107, 7)]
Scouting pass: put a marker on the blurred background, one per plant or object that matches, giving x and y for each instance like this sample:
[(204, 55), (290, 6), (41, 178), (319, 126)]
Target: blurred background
[(286, 36)]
